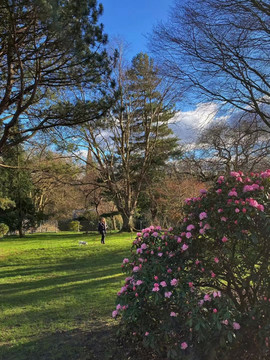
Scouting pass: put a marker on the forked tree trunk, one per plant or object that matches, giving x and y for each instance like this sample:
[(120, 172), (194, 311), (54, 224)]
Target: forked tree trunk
[(128, 224)]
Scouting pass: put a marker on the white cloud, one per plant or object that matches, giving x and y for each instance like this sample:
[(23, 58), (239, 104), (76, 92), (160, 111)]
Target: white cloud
[(187, 125)]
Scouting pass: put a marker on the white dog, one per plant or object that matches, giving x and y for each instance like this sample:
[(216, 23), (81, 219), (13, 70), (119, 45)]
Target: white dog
[(83, 243)]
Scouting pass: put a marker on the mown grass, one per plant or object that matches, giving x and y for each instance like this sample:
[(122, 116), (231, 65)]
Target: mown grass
[(56, 296)]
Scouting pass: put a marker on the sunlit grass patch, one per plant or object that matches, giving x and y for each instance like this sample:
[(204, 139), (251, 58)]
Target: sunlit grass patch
[(49, 284)]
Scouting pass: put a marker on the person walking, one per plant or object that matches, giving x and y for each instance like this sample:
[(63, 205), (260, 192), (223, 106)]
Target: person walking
[(102, 227)]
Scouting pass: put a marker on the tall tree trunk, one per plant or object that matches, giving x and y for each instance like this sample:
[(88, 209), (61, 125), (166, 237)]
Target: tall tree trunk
[(113, 223), (21, 234), (128, 224)]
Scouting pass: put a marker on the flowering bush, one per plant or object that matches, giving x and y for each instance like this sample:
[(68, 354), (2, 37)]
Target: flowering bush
[(204, 291)]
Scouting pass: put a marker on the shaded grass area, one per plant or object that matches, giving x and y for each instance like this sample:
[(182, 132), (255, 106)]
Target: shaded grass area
[(56, 296)]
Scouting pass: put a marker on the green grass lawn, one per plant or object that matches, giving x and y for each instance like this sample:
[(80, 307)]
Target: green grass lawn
[(56, 296)]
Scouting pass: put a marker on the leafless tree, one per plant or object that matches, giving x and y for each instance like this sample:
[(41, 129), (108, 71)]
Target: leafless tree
[(219, 49), (228, 145)]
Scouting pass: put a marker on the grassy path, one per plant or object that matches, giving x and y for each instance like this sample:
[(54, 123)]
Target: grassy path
[(56, 296)]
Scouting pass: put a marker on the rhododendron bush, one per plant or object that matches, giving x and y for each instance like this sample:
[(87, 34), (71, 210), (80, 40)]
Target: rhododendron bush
[(204, 290)]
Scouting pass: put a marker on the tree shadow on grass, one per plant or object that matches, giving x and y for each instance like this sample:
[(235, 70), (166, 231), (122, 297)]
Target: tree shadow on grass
[(97, 342), (49, 237)]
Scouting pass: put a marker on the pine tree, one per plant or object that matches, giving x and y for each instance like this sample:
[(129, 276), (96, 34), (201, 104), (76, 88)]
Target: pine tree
[(50, 50), (135, 141)]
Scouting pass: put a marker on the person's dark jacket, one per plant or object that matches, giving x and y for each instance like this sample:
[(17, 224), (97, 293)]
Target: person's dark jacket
[(102, 228)]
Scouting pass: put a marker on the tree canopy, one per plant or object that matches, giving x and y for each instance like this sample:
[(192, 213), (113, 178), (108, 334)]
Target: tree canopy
[(49, 51)]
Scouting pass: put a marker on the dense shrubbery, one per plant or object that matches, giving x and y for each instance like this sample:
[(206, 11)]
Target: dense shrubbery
[(75, 225), (4, 229), (205, 291)]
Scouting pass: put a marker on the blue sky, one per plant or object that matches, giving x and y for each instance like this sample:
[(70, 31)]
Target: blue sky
[(131, 20)]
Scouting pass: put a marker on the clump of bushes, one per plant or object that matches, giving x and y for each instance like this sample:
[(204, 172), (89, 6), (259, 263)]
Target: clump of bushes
[(4, 229), (75, 226), (205, 291)]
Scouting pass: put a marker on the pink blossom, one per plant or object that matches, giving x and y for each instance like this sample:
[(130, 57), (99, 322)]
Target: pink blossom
[(168, 294), (203, 191), (139, 234), (190, 227), (139, 251), (255, 204), (265, 174), (200, 303), (184, 345), (232, 193), (174, 282), (220, 179), (118, 307), (235, 174), (136, 268), (216, 260), (207, 297), (146, 333), (184, 247), (169, 271), (158, 227), (236, 326), (220, 210), (179, 240), (224, 239), (155, 234), (160, 254), (201, 231), (152, 252), (190, 284), (163, 283), (225, 322), (203, 215), (188, 235), (207, 226), (223, 218), (215, 311), (173, 314), (155, 289), (144, 246), (139, 282), (237, 210), (114, 313), (216, 294), (125, 261), (170, 229), (145, 234), (219, 191), (213, 274)]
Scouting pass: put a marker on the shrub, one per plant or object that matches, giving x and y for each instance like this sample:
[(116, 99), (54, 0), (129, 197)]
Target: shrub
[(204, 292), (75, 226), (4, 229)]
